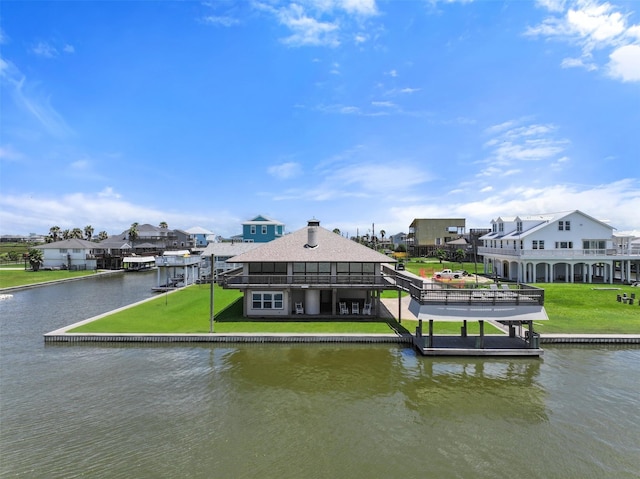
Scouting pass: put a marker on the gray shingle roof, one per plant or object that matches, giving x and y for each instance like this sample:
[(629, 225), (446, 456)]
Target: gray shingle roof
[(331, 247)]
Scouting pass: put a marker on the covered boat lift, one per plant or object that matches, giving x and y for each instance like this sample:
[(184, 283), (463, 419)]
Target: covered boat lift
[(512, 308)]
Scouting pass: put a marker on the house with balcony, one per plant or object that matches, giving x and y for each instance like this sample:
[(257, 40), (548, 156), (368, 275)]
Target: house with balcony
[(311, 272), (72, 254), (427, 235), (261, 230), (567, 247)]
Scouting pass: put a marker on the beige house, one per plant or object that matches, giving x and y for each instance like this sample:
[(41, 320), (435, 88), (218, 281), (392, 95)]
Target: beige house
[(311, 272)]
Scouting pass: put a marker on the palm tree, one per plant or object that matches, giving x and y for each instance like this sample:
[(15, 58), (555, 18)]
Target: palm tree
[(54, 231), (459, 255), (88, 232), (163, 224), (102, 236), (66, 234), (336, 231), (133, 233), (382, 233), (76, 233), (36, 258), (441, 254)]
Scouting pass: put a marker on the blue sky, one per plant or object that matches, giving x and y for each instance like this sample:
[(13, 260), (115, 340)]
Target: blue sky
[(354, 112)]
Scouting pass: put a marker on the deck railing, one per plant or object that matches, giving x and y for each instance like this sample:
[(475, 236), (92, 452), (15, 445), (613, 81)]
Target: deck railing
[(368, 280), (561, 253)]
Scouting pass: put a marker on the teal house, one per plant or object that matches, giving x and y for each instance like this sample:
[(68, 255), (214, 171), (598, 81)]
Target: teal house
[(261, 230)]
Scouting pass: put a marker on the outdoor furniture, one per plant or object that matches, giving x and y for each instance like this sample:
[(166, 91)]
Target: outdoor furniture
[(367, 308), (343, 308), (355, 308), (505, 287), (493, 287), (299, 308)]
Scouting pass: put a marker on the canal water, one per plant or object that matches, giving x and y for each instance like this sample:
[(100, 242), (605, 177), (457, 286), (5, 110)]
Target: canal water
[(298, 411)]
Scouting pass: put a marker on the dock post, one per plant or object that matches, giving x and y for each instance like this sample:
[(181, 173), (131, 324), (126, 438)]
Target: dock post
[(430, 345), (463, 329)]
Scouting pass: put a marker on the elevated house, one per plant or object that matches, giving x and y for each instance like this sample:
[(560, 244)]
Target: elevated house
[(222, 253), (427, 235), (72, 254), (199, 236), (311, 272), (261, 230), (567, 247)]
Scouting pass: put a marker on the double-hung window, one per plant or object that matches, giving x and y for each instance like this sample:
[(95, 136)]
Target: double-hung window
[(264, 300)]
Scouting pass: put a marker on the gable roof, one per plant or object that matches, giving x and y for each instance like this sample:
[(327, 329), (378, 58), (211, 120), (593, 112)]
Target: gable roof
[(331, 247), (199, 230), (73, 243), (261, 220)]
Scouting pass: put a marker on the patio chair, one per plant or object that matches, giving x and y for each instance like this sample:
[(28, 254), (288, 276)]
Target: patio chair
[(367, 308), (355, 308), (343, 308), (493, 287), (299, 308), (505, 287)]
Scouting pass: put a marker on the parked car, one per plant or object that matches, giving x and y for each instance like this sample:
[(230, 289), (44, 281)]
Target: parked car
[(399, 266)]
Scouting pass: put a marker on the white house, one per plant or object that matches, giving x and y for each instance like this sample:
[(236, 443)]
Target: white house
[(73, 254), (558, 247)]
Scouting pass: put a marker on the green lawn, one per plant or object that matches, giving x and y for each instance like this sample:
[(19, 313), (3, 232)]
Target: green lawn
[(187, 311), (10, 278), (572, 308)]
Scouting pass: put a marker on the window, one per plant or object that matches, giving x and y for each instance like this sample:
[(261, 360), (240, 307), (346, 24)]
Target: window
[(77, 250), (564, 225), (564, 244), (253, 229), (267, 268), (501, 227), (264, 229), (519, 226), (260, 300), (538, 244), (541, 244)]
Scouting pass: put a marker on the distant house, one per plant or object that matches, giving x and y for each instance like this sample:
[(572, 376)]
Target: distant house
[(73, 254), (567, 247), (199, 236), (222, 252), (312, 271), (427, 235), (261, 230)]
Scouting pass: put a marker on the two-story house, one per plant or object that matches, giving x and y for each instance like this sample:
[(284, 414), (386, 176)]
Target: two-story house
[(312, 271), (73, 254), (261, 230), (568, 246)]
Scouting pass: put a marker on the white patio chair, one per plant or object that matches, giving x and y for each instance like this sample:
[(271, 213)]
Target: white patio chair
[(343, 308), (355, 308), (299, 308), (367, 308)]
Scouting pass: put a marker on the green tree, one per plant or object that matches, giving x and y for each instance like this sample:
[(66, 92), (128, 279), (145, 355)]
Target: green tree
[(459, 255), (441, 254), (88, 232), (163, 224), (336, 231), (133, 233), (401, 248), (76, 233), (102, 236), (54, 234), (36, 258), (66, 234), (382, 233)]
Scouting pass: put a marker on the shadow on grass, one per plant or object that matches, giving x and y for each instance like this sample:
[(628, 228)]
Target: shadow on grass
[(233, 314)]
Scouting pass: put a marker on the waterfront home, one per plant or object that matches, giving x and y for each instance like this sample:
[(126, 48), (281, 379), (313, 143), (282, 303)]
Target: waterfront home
[(311, 272), (261, 230), (567, 247), (427, 235), (73, 254), (199, 236), (222, 253), (177, 269)]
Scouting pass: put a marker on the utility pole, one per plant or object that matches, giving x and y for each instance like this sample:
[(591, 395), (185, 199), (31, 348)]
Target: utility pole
[(211, 296)]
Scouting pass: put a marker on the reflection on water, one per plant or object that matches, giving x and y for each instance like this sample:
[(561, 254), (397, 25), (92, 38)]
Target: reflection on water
[(291, 411)]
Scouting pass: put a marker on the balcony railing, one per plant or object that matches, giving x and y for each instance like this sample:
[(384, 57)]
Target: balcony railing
[(561, 253), (369, 280)]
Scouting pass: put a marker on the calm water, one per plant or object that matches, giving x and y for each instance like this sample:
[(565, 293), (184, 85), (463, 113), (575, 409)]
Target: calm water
[(313, 411)]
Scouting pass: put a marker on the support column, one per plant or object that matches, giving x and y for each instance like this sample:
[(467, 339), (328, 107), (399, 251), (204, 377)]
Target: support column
[(431, 333), (481, 342), (399, 306)]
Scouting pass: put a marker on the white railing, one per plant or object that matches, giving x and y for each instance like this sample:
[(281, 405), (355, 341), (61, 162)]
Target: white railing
[(562, 253)]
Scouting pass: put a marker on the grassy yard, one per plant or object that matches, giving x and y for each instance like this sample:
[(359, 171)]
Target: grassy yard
[(187, 311), (10, 278), (572, 308)]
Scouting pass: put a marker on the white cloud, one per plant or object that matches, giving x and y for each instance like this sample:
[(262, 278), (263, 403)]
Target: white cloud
[(44, 49), (286, 170), (624, 63), (8, 153), (222, 20), (68, 49), (592, 27), (30, 101)]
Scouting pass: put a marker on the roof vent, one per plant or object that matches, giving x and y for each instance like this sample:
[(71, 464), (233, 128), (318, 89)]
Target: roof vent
[(312, 231)]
